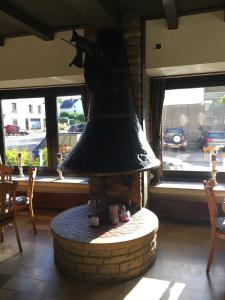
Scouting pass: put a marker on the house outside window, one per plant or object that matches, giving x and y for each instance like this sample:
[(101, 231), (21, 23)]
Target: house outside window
[(30, 108), (72, 105), (71, 122), (39, 109), (14, 108), (18, 139)]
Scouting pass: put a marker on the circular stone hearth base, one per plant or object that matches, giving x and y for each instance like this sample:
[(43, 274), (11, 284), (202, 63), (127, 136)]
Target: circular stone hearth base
[(105, 253)]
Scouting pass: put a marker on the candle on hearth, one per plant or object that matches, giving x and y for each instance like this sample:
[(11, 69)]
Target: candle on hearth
[(20, 164), (213, 162), (223, 159), (59, 160), (213, 165)]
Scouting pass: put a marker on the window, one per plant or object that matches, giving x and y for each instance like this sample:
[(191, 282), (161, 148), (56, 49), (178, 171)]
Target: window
[(193, 128), (35, 123), (20, 139), (30, 108), (15, 122), (71, 122), (38, 136), (14, 110)]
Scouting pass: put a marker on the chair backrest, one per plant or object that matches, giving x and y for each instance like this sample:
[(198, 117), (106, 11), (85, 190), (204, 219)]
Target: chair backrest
[(32, 171), (211, 199), (7, 199), (6, 172)]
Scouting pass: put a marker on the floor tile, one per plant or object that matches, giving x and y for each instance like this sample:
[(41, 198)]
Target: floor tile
[(20, 284), (177, 274), (4, 278)]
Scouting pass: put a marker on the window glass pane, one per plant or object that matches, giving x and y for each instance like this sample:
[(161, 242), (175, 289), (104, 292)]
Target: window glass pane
[(25, 131), (14, 107), (193, 128), (71, 122)]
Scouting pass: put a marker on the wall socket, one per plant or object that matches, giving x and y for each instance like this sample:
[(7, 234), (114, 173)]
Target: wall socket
[(157, 46)]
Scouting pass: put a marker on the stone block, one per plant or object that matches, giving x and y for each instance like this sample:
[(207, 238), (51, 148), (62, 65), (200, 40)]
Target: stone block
[(130, 21), (133, 41), (133, 51), (102, 253), (93, 260), (108, 269), (118, 259), (87, 268)]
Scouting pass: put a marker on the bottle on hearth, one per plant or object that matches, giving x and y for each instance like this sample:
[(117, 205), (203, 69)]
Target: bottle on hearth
[(89, 208), (93, 213)]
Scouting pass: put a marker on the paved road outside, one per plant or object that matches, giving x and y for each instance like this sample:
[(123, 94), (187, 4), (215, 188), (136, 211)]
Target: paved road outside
[(173, 159), (28, 141), (189, 160)]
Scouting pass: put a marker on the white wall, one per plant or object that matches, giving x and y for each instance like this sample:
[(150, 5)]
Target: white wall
[(29, 60), (197, 46), (22, 112)]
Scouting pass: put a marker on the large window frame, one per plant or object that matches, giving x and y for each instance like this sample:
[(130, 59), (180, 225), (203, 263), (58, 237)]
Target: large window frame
[(193, 81), (50, 95)]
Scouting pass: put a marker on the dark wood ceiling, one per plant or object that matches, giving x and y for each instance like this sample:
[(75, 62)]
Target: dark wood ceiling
[(45, 17)]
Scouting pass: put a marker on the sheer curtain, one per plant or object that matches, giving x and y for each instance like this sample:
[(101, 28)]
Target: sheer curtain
[(157, 93)]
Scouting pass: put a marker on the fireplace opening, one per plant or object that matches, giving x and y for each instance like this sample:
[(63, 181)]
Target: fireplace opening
[(113, 199)]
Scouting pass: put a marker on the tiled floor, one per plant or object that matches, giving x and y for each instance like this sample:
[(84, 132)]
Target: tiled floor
[(178, 272)]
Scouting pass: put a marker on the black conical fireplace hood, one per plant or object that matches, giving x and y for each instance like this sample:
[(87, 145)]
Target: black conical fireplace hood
[(113, 141)]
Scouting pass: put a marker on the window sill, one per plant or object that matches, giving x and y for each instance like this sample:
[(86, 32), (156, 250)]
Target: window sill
[(188, 191), (49, 184)]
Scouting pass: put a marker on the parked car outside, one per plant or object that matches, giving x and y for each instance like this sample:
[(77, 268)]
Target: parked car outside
[(15, 130), (213, 138), (77, 128), (174, 137)]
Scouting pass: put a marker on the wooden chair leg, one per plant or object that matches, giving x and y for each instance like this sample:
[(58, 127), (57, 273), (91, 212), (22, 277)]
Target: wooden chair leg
[(33, 220), (1, 234), (34, 225), (211, 251), (18, 237)]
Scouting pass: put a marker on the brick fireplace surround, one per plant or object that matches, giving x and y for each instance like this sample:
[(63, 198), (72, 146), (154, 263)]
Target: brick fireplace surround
[(104, 254)]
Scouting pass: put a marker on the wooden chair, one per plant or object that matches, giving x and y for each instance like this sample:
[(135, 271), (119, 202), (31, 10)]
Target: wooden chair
[(26, 202), (217, 223), (7, 208), (6, 172)]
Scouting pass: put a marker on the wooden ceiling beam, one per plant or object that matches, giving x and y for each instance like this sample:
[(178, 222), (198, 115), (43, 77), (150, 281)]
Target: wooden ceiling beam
[(95, 12), (17, 17), (171, 13), (2, 41)]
